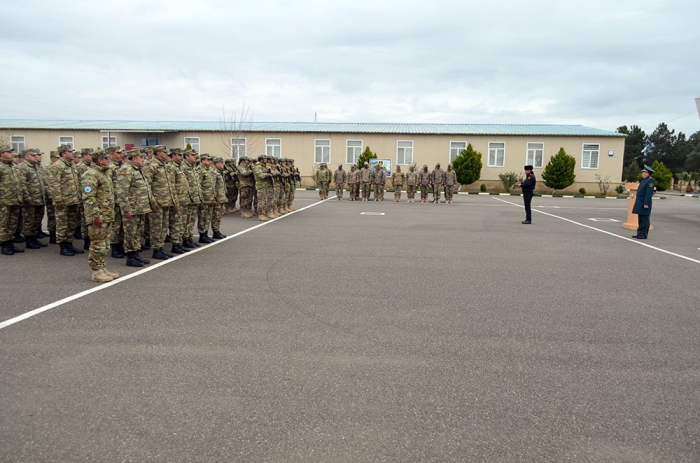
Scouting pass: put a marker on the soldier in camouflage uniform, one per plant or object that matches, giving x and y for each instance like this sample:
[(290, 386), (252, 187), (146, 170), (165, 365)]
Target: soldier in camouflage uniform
[(50, 209), (163, 189), (295, 177), (148, 153), (134, 198), (246, 180), (82, 167), (207, 183), (424, 183), (411, 182), (116, 153), (366, 180), (450, 182), (354, 182), (98, 201), (178, 220), (339, 179), (263, 184), (219, 171), (34, 194), (232, 185), (277, 188), (437, 178), (194, 199), (323, 179), (397, 180), (65, 190), (11, 199), (379, 180), (289, 185)]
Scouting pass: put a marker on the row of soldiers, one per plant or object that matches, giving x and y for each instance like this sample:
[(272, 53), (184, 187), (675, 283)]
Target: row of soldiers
[(153, 195), (374, 180)]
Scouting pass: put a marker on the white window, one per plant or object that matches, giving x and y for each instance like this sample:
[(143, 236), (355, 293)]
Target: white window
[(237, 148), (456, 148), (404, 152), (273, 147), (193, 142), (535, 155), (322, 151), (107, 143), (497, 154), (589, 159), (18, 143), (66, 141), (353, 150)]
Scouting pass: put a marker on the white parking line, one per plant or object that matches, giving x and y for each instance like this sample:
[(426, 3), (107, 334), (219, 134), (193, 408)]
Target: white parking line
[(121, 279), (632, 240)]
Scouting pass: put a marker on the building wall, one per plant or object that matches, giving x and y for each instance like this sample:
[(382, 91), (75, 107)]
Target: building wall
[(427, 149)]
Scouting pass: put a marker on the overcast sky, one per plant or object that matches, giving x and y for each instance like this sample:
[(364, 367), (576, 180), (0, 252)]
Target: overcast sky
[(597, 63)]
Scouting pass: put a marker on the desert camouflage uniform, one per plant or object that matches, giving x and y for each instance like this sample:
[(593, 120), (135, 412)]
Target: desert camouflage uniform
[(411, 182), (397, 181), (379, 180), (353, 179), (366, 180), (450, 182), (339, 178), (262, 187), (323, 179), (277, 188), (437, 178), (424, 182)]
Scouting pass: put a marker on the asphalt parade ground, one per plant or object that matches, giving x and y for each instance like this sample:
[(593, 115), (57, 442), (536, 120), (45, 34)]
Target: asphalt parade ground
[(367, 331)]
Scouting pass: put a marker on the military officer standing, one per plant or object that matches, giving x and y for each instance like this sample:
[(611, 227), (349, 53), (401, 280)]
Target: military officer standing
[(424, 182), (528, 187), (82, 167), (116, 154), (339, 178), (642, 203), (98, 202), (450, 182), (232, 185), (411, 182), (246, 180), (189, 168), (65, 190), (163, 189), (262, 185), (207, 183), (353, 182), (366, 181), (275, 202), (50, 209), (220, 205), (397, 180), (134, 198), (323, 179), (11, 200), (379, 181), (437, 179), (34, 195)]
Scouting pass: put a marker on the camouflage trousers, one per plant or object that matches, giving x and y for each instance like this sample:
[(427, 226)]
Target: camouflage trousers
[(32, 216), (9, 221), (436, 193), (339, 191), (246, 194), (270, 199), (424, 192), (133, 232), (278, 194), (449, 191), (231, 197), (177, 224), (323, 190), (147, 227), (411, 192), (81, 221), (117, 226), (66, 222), (160, 219), (287, 194), (216, 213), (292, 193), (261, 196), (366, 190), (204, 218), (255, 199), (99, 245), (50, 217), (397, 193), (378, 192), (190, 219), (354, 191)]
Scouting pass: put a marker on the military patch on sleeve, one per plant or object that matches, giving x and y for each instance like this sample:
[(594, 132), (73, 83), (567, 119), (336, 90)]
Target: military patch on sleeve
[(87, 189)]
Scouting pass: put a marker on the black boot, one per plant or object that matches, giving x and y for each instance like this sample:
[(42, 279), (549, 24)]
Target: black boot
[(178, 249), (192, 243), (41, 245), (146, 246), (65, 250), (33, 243), (52, 237), (18, 238), (132, 260), (7, 248), (74, 249), (117, 253), (162, 249), (188, 244), (43, 234), (159, 254), (86, 244), (218, 236), (204, 238), (167, 238), (145, 261), (78, 235)]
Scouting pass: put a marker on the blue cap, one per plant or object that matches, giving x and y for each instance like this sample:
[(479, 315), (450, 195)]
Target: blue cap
[(648, 169)]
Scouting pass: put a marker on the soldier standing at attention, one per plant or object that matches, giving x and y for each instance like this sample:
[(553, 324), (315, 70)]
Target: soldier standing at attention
[(82, 167), (232, 185), (642, 203), (379, 180), (134, 198), (11, 200), (219, 207), (33, 195), (323, 179), (450, 182), (207, 183), (163, 189), (116, 153), (411, 182), (50, 209), (262, 182), (424, 182), (296, 177), (397, 181), (177, 218), (247, 185), (189, 168), (437, 179), (98, 201), (528, 187), (65, 190), (366, 180), (288, 182), (353, 179), (339, 178), (276, 201)]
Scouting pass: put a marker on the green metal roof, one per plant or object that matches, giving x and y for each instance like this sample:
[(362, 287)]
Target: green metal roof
[(308, 127)]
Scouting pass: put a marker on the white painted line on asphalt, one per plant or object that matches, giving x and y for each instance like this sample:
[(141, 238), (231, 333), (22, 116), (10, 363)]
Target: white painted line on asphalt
[(631, 240), (121, 279), (597, 219), (371, 213)]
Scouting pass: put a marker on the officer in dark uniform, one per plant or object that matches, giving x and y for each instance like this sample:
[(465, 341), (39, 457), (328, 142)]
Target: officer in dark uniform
[(528, 187), (642, 203)]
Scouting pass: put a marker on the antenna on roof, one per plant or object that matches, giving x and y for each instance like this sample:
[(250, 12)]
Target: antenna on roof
[(315, 117)]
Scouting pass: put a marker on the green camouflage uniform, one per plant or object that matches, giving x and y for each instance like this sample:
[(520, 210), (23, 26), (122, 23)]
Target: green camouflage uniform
[(98, 200), (276, 200), (437, 178), (246, 178), (450, 182), (133, 195), (11, 198), (323, 179), (411, 182), (353, 179), (65, 189), (178, 220), (194, 198), (34, 193), (232, 186), (397, 180), (339, 178), (81, 168), (208, 190), (221, 199), (288, 177), (118, 225), (165, 196), (262, 186)]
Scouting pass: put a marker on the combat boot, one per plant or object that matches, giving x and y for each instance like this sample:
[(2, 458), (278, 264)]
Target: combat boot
[(65, 250), (74, 249), (146, 246), (143, 260), (33, 243), (167, 238), (117, 253), (166, 253), (188, 244), (100, 276), (177, 249), (52, 237), (159, 254), (78, 235), (111, 274), (7, 248), (132, 260), (263, 218), (218, 235), (18, 238), (86, 243)]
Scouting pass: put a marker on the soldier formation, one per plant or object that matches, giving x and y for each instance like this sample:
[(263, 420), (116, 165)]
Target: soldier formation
[(133, 201)]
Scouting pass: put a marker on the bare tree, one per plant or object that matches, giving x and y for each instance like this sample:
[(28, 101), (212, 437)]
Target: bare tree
[(237, 134)]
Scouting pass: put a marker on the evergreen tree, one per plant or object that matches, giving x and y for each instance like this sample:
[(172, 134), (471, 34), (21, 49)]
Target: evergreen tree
[(366, 155), (559, 171), (662, 176), (631, 172), (635, 142), (467, 166), (659, 144)]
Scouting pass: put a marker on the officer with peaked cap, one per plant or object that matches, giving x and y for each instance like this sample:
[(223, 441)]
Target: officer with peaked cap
[(642, 203), (528, 187)]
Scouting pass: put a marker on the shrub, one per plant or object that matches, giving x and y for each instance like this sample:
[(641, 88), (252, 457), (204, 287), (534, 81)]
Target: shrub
[(467, 166), (582, 191), (366, 155), (631, 172), (559, 171), (603, 184), (620, 189), (509, 180), (483, 188)]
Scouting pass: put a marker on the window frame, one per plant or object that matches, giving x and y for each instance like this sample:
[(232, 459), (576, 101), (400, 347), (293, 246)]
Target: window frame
[(361, 147), (23, 143), (237, 156), (71, 143), (583, 150), (488, 156), (316, 146), (267, 146), (404, 153), (527, 154), (106, 143), (449, 155), (198, 150)]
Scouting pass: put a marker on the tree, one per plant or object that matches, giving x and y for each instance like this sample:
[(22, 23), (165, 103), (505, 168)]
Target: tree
[(237, 135), (467, 166), (366, 155), (692, 162), (188, 147), (662, 176), (631, 172), (659, 144), (509, 179), (559, 171), (635, 142)]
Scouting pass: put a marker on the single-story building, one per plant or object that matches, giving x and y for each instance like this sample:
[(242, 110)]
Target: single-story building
[(505, 147)]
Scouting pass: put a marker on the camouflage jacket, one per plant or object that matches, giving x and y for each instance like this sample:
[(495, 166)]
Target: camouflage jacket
[(287, 175), (398, 179), (379, 177), (162, 183), (207, 182), (365, 175), (64, 183), (182, 187), (450, 178), (231, 177), (10, 184), (276, 175), (115, 167), (220, 185), (411, 178), (339, 177), (83, 167), (262, 177), (33, 189), (424, 178), (323, 176), (246, 176), (437, 177), (353, 177), (98, 194), (193, 183), (133, 190)]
